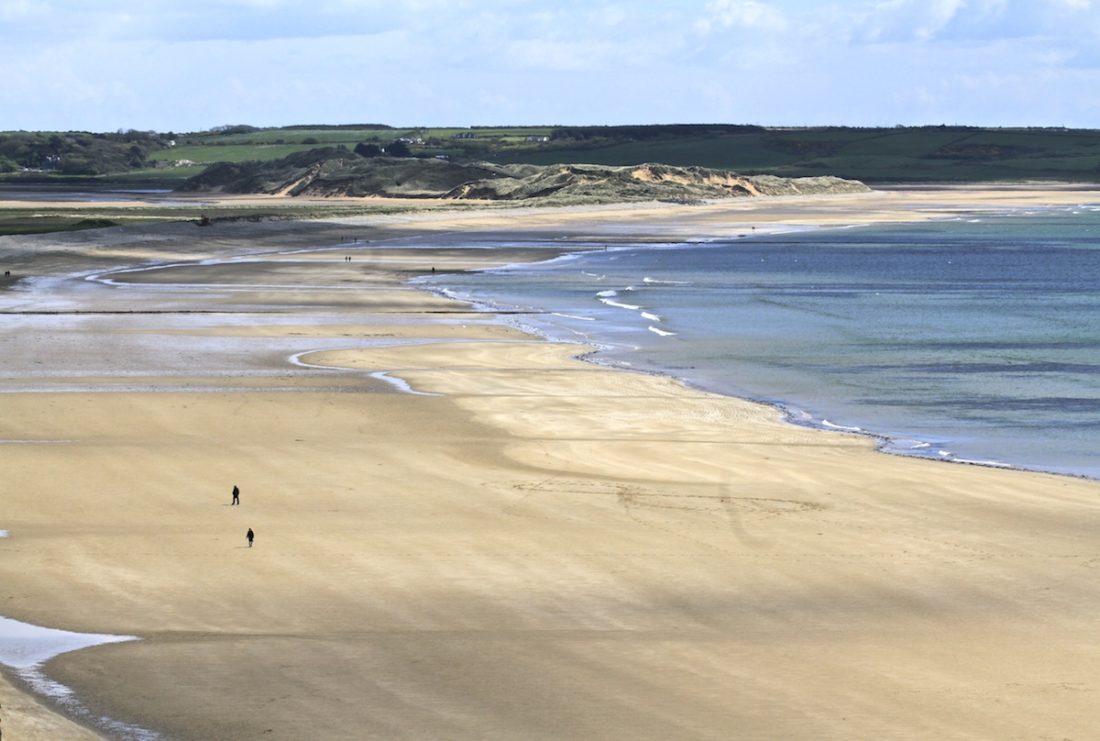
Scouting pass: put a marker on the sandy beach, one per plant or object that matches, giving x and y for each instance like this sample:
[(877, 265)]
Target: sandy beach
[(466, 532)]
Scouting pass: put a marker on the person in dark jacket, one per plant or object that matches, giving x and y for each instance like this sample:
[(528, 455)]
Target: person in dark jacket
[(251, 536)]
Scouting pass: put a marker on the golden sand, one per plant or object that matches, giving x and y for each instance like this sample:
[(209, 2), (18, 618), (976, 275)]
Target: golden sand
[(532, 547)]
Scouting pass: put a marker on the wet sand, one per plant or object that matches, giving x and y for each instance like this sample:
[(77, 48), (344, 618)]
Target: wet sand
[(529, 547)]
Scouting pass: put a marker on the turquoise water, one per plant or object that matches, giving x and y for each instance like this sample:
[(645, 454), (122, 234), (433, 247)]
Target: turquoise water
[(973, 340)]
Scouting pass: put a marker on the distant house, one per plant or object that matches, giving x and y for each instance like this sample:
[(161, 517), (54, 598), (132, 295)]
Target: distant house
[(537, 139), (465, 135)]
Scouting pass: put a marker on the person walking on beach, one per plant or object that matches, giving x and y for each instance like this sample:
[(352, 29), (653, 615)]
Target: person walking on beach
[(251, 536), (236, 495)]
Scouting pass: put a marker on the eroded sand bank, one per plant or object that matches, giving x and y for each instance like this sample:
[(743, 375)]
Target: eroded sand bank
[(541, 548)]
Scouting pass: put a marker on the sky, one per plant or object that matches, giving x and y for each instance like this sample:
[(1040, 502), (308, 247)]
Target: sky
[(190, 65)]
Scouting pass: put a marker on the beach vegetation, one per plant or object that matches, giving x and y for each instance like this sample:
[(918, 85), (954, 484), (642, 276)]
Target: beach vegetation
[(334, 171), (44, 224)]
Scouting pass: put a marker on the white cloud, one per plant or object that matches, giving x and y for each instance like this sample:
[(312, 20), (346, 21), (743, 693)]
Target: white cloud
[(20, 10), (557, 54), (124, 63), (745, 14), (894, 20), (876, 21), (940, 13)]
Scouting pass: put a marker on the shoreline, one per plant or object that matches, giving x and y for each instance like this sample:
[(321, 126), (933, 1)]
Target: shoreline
[(887, 443), (25, 648), (791, 414), (530, 540)]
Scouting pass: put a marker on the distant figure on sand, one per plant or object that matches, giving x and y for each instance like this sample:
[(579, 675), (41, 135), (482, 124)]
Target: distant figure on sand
[(250, 535), (236, 495)]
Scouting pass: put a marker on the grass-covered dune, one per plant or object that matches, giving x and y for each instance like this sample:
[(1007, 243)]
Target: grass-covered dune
[(335, 171)]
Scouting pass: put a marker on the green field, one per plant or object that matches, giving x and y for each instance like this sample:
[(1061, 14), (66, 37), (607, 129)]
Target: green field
[(269, 144), (209, 154)]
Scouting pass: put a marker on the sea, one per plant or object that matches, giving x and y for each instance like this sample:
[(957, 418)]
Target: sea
[(972, 340)]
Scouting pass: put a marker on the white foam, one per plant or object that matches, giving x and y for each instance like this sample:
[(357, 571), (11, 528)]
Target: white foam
[(650, 317), (619, 304), (607, 294), (64, 696), (661, 332), (574, 316), (400, 384), (647, 279), (978, 462), (296, 359), (831, 426)]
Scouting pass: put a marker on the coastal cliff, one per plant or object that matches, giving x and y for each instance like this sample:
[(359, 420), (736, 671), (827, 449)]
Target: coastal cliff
[(337, 172)]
